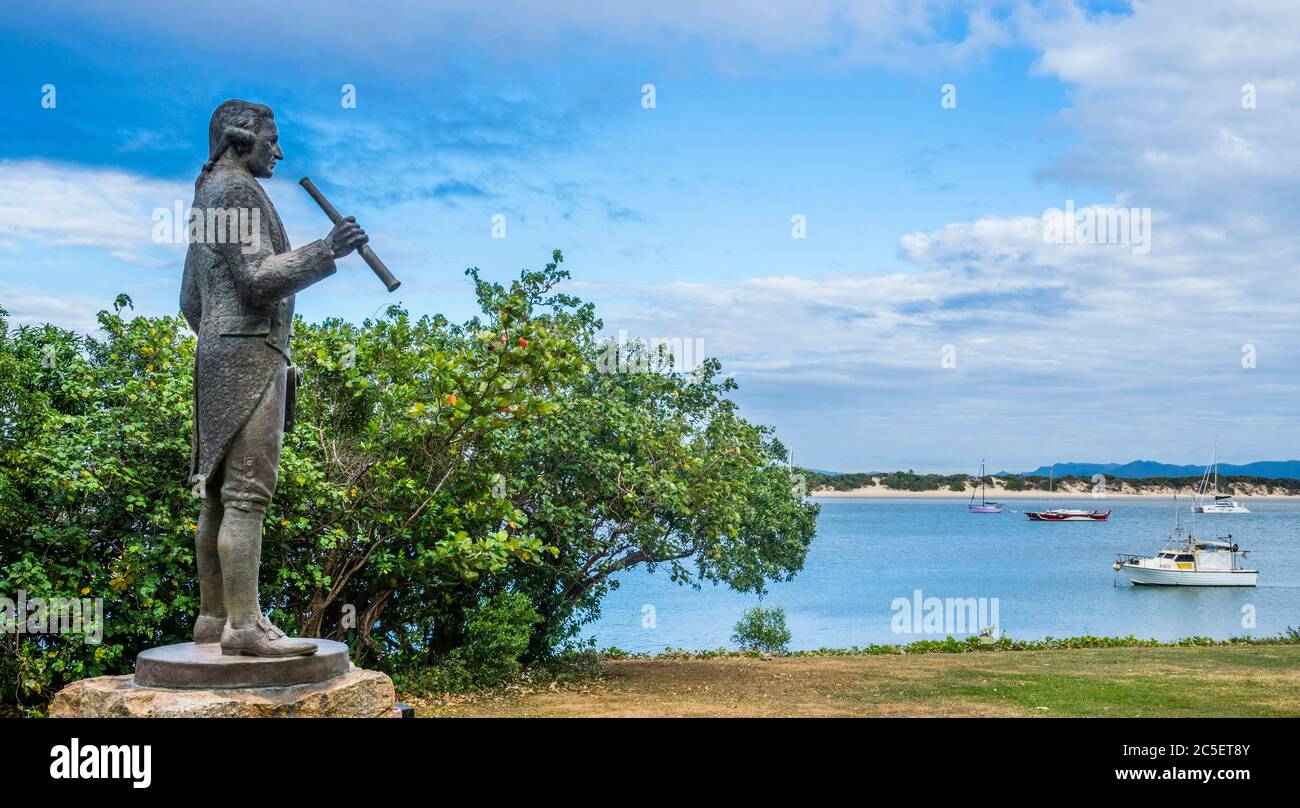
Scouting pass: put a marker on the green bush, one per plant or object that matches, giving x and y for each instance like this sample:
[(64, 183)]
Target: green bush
[(762, 630), (497, 633)]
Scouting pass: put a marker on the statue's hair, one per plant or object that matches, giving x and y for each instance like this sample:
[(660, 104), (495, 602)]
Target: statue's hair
[(234, 123)]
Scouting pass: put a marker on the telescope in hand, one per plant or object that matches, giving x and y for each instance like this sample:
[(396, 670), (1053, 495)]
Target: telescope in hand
[(367, 254)]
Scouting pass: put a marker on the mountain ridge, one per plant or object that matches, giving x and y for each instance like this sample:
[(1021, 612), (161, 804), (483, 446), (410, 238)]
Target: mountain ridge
[(1136, 469)]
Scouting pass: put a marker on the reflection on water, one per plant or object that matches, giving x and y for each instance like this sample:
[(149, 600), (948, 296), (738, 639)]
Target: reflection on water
[(1050, 579)]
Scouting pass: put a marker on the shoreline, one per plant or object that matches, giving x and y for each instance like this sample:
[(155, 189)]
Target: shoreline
[(881, 492)]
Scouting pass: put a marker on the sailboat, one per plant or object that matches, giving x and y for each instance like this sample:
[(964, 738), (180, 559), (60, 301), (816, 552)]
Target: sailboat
[(1189, 561), (984, 505), (1223, 503), (1065, 514)]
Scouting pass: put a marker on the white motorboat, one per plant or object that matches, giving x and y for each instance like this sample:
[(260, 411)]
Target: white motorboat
[(1189, 561), (1221, 503)]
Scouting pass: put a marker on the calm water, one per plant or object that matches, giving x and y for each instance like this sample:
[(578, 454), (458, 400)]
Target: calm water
[(1050, 579)]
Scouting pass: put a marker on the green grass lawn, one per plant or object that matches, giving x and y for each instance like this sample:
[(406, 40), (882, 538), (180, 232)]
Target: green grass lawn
[(1139, 682), (1262, 680)]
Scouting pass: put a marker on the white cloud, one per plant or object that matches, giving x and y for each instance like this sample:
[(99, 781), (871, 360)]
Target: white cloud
[(27, 305), (67, 205), (1158, 102)]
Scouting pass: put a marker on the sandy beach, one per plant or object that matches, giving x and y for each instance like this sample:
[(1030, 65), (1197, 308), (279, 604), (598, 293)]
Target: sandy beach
[(1114, 490)]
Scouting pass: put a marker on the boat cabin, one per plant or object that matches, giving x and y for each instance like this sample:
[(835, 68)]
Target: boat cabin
[(1206, 555)]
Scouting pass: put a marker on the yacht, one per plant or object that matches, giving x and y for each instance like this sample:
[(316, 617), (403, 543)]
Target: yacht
[(1068, 515), (984, 506), (1065, 514), (1222, 503)]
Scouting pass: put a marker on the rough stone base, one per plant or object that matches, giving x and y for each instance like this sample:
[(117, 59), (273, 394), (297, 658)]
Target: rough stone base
[(356, 694)]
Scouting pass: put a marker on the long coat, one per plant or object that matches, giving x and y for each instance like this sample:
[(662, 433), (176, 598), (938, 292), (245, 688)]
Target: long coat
[(240, 303)]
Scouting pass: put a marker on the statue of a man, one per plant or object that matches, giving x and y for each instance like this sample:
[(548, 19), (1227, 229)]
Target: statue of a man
[(237, 295)]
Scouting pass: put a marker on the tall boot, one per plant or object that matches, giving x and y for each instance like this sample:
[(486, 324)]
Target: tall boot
[(247, 631), (212, 603)]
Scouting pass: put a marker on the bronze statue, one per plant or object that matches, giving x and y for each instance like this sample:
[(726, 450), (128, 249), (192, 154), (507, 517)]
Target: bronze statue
[(238, 296)]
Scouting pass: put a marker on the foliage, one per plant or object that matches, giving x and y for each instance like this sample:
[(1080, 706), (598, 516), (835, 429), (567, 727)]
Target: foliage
[(497, 633), (94, 447), (898, 480), (762, 630), (653, 469), (838, 482), (975, 643), (386, 508), (448, 491)]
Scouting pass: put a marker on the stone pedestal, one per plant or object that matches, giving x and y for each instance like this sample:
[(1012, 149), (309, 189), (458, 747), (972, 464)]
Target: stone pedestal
[(186, 665), (196, 681), (356, 694)]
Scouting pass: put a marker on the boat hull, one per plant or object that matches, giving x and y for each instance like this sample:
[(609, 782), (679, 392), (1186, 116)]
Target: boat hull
[(985, 508), (1210, 509), (1149, 576)]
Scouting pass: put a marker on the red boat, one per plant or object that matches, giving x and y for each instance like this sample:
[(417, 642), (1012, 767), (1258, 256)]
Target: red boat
[(1068, 515), (1065, 514)]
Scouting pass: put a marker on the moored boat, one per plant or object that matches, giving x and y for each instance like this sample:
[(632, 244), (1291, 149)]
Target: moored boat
[(984, 505), (1068, 515), (1221, 503), (1188, 561), (1065, 514)]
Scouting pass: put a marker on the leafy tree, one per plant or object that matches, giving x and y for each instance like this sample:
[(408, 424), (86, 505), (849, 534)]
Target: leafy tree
[(448, 491), (651, 469), (386, 507)]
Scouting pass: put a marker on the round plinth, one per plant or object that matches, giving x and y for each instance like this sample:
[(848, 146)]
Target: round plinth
[(189, 666)]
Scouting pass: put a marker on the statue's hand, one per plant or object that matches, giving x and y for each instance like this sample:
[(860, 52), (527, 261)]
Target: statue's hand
[(346, 236)]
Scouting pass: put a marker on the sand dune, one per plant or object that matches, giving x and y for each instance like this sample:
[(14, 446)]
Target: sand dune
[(1115, 489)]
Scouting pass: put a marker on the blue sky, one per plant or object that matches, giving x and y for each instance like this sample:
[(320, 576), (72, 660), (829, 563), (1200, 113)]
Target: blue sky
[(923, 222)]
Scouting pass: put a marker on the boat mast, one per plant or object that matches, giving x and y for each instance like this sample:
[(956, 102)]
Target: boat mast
[(1215, 464), (1203, 486)]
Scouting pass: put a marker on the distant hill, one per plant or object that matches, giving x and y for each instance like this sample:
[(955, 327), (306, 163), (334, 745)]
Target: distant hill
[(1269, 469)]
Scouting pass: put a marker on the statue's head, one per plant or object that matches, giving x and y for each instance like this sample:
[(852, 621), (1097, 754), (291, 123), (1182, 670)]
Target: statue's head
[(245, 132)]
